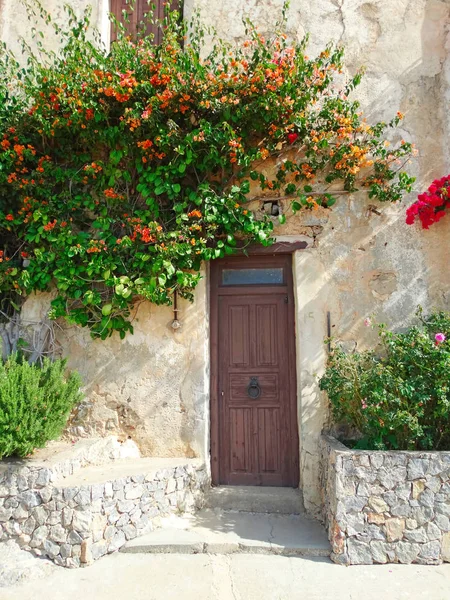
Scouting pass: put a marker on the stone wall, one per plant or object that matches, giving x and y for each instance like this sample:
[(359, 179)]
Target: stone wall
[(74, 516), (386, 507)]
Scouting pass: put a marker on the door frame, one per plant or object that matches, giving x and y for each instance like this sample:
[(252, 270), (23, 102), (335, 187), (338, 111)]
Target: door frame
[(283, 248)]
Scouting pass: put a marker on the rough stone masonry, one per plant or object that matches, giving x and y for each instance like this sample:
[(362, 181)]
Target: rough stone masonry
[(386, 507), (74, 524)]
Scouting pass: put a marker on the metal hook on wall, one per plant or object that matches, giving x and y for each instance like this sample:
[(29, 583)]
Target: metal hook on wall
[(329, 331), (175, 323)]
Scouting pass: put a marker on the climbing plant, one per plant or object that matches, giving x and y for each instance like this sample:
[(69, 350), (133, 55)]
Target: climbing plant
[(122, 169)]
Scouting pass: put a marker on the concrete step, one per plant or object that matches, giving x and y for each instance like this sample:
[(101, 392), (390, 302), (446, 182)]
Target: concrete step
[(226, 532), (275, 500)]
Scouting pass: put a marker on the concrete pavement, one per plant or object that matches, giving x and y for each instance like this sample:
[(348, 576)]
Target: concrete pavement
[(234, 577)]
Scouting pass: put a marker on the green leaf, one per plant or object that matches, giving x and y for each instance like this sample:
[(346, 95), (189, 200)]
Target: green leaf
[(106, 310)]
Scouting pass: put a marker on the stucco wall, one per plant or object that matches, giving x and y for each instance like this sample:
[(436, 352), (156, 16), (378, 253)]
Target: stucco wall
[(154, 385), (16, 21)]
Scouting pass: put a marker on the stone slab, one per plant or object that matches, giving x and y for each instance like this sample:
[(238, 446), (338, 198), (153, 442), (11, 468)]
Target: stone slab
[(17, 566), (226, 532), (256, 499), (124, 468), (85, 451)]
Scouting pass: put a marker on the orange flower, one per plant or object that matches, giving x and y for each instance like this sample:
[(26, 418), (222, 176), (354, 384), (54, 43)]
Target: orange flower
[(110, 193), (9, 217), (195, 213), (145, 145), (50, 225)]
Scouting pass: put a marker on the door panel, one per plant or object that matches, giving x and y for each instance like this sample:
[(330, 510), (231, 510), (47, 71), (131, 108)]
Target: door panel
[(239, 329), (266, 327), (256, 434)]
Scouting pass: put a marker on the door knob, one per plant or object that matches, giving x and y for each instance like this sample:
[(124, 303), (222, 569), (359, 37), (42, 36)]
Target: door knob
[(253, 389)]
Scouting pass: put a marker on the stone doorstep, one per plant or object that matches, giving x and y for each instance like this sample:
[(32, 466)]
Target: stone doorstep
[(227, 532), (255, 499)]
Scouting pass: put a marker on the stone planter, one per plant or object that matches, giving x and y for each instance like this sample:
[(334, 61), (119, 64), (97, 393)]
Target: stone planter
[(385, 507)]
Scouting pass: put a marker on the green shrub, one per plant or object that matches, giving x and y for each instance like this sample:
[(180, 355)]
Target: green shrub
[(399, 397), (35, 402)]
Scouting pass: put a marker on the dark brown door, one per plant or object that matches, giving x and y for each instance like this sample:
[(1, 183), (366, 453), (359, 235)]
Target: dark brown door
[(138, 13), (254, 422)]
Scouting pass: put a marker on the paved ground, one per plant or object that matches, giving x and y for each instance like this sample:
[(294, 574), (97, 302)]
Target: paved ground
[(234, 577)]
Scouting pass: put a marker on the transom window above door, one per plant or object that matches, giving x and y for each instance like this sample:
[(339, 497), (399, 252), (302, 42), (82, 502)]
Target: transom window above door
[(259, 276), (252, 271)]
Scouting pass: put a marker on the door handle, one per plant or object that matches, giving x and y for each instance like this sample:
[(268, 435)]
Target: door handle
[(254, 389)]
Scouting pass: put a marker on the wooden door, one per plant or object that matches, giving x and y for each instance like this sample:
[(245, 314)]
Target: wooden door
[(138, 13), (254, 436)]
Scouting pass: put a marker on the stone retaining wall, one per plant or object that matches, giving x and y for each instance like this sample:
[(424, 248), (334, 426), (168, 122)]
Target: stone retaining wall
[(386, 507), (76, 524)]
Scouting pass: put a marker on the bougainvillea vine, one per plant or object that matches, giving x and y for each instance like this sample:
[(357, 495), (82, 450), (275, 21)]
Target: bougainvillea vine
[(123, 169)]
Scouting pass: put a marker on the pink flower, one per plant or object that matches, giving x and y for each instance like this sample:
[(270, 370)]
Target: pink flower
[(440, 338), (367, 322), (363, 404)]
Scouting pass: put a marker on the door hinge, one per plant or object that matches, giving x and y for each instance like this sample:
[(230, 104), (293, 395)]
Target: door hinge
[(286, 299)]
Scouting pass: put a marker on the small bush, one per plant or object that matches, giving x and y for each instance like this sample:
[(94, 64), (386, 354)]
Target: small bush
[(35, 402), (397, 398)]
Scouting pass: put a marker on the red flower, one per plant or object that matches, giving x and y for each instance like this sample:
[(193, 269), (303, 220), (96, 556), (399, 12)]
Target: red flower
[(430, 206), (9, 217), (292, 137)]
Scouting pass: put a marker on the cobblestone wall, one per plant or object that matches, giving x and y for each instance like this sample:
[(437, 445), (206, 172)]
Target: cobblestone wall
[(76, 524), (386, 507)]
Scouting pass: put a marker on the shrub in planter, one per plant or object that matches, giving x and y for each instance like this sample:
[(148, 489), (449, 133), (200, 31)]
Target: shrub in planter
[(398, 396), (35, 402)]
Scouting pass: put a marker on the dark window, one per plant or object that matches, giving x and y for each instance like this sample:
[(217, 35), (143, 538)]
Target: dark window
[(138, 15), (258, 276)]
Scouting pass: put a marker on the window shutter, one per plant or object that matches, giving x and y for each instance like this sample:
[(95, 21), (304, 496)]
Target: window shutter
[(136, 16)]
